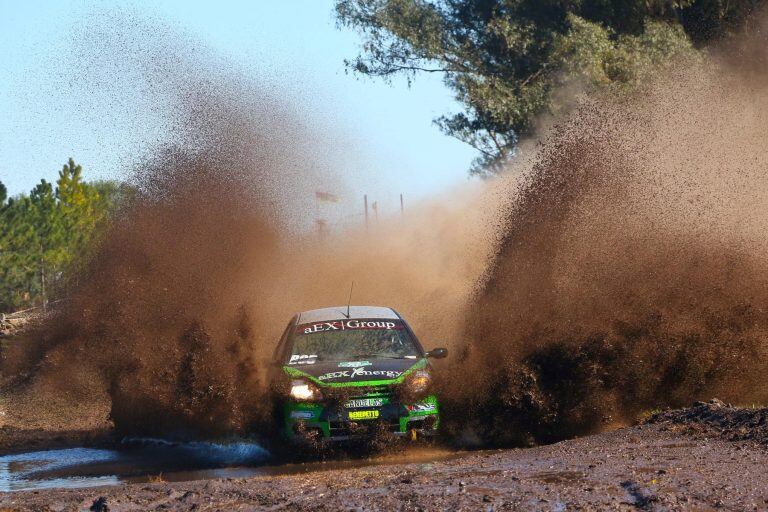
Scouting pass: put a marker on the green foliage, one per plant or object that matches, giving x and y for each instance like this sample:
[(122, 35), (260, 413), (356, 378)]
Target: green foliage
[(505, 59), (45, 233), (595, 58)]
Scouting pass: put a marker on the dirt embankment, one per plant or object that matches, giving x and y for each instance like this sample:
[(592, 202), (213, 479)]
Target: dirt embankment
[(715, 419), (655, 466)]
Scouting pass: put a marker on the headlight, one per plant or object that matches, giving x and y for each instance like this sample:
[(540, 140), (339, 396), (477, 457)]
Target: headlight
[(304, 391), (419, 381)]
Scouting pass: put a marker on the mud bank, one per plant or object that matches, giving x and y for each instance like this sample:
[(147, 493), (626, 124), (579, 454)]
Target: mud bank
[(717, 419), (648, 467)]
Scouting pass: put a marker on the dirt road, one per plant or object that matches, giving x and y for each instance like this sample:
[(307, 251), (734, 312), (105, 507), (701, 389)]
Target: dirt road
[(682, 461)]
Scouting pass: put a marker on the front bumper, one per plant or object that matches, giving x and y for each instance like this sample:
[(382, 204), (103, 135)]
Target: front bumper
[(323, 422)]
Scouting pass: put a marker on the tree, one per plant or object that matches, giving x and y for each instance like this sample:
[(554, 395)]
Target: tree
[(78, 205), (17, 253), (505, 58), (45, 236), (47, 252)]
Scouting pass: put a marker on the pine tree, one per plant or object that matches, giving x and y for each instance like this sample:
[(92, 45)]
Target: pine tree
[(46, 235)]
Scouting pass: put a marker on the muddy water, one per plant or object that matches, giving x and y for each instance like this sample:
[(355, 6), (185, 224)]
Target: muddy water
[(135, 461), (155, 460)]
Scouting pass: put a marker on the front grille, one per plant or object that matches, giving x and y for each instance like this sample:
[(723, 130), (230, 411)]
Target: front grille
[(378, 391), (340, 396)]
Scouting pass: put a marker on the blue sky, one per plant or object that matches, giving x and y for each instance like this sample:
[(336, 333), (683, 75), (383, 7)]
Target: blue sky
[(291, 43)]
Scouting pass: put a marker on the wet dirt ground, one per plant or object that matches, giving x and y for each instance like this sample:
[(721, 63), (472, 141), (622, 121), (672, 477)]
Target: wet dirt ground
[(656, 466)]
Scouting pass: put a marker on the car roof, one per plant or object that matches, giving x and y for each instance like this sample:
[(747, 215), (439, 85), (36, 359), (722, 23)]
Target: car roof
[(340, 312)]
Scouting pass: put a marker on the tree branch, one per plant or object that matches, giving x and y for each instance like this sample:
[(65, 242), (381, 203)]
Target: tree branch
[(533, 76), (499, 147), (398, 67)]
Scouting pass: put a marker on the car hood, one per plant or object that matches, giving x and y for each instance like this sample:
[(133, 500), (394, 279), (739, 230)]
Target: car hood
[(352, 372)]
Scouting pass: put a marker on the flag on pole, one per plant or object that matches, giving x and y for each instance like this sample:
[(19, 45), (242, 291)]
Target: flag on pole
[(327, 197)]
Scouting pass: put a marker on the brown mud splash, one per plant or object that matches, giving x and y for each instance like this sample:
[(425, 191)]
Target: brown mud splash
[(178, 312), (186, 298), (159, 319), (167, 329), (629, 272), (633, 270)]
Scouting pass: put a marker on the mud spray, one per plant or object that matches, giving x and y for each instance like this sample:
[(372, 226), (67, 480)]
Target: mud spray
[(625, 268), (168, 329), (633, 271)]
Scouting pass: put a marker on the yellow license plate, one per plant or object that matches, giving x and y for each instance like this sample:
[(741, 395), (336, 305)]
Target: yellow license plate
[(363, 415)]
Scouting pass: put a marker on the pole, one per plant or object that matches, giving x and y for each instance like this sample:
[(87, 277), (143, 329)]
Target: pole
[(402, 209), (42, 279), (365, 201)]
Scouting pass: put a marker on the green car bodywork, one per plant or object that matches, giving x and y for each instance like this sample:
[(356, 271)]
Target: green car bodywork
[(421, 418), (346, 396)]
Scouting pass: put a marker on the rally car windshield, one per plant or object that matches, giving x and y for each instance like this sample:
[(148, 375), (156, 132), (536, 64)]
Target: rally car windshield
[(345, 340)]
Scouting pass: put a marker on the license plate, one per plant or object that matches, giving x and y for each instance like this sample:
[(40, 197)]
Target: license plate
[(363, 415), (364, 402)]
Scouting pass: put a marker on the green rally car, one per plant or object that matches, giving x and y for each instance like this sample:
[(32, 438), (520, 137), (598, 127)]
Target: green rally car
[(351, 371)]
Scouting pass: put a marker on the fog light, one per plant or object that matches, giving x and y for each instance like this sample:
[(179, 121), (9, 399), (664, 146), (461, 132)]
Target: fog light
[(304, 391), (418, 382)]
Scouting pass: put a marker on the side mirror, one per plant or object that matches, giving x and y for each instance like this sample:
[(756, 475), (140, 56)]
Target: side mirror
[(437, 353)]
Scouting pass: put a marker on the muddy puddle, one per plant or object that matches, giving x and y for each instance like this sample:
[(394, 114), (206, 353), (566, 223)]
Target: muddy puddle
[(140, 461)]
